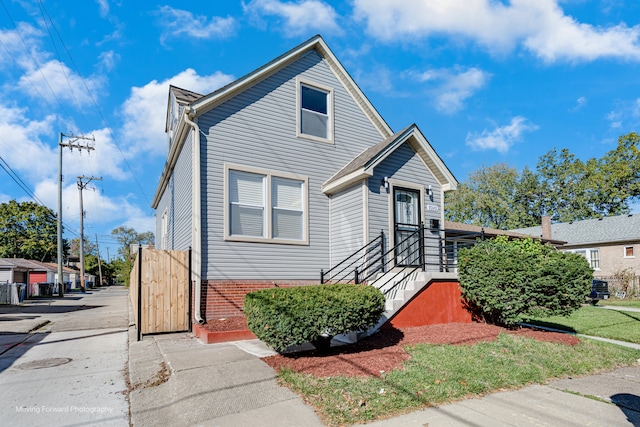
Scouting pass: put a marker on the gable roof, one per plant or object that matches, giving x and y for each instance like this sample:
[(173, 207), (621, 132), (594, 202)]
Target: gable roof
[(611, 229), (197, 104), (363, 164), (316, 43)]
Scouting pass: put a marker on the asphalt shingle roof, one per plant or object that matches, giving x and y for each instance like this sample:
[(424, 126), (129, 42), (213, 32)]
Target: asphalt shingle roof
[(611, 229)]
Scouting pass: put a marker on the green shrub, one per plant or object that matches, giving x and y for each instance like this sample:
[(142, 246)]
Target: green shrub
[(513, 280), (282, 317)]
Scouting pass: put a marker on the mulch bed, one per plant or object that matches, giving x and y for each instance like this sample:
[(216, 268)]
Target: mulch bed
[(383, 351)]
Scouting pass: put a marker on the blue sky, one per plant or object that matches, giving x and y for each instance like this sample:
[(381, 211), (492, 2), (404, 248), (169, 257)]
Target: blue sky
[(486, 81)]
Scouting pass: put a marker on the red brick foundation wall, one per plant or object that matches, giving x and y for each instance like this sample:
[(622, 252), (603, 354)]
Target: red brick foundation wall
[(438, 302), (225, 298)]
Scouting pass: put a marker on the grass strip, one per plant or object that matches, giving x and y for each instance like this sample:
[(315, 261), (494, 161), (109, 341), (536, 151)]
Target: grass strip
[(438, 374), (599, 322), (634, 303)]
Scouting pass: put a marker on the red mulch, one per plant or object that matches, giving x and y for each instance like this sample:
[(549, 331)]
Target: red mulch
[(384, 351), (238, 323)]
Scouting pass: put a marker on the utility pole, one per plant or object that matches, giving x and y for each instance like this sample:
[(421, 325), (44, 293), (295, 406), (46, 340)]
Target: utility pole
[(72, 142), (82, 186), (99, 263)]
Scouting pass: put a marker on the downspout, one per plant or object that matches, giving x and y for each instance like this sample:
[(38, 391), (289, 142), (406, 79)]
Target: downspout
[(196, 219)]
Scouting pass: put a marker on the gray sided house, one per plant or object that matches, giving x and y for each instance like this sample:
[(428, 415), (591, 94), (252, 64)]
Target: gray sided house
[(285, 172)]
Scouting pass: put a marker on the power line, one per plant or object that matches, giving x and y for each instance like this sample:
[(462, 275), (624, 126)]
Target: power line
[(16, 178), (35, 61), (104, 120), (64, 72)]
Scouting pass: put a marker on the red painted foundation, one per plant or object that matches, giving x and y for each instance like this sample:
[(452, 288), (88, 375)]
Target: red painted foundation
[(208, 337), (438, 302)]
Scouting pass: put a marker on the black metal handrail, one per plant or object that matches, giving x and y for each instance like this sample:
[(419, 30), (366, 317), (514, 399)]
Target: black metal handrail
[(426, 248), (372, 251)]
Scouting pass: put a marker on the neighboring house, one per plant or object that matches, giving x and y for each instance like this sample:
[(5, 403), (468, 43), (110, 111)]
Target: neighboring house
[(285, 172), (459, 235), (610, 244)]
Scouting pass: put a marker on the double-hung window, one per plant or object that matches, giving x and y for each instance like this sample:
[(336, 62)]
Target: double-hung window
[(315, 111), (592, 256), (265, 206)]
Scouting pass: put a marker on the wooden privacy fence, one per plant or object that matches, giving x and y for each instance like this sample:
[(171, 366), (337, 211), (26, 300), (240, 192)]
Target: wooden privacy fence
[(160, 291)]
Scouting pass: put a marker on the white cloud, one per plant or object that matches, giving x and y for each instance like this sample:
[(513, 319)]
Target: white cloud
[(22, 143), (501, 138), (103, 6), (300, 17), (145, 110), (580, 103), (625, 115), (177, 22), (100, 209), (108, 60), (454, 86), (538, 25), (55, 81)]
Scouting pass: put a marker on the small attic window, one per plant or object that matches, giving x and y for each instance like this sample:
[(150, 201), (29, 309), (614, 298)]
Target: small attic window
[(315, 111)]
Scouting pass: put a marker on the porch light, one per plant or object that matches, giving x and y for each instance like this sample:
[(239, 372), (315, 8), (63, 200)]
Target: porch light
[(385, 182)]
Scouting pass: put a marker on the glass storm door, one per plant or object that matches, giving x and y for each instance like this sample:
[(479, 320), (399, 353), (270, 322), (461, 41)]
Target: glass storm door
[(407, 224)]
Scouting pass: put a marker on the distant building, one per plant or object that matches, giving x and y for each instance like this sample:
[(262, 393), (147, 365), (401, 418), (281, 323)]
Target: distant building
[(610, 244)]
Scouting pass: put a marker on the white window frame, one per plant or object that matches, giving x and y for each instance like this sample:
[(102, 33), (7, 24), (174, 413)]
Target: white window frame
[(587, 253), (268, 206), (330, 110), (633, 254)]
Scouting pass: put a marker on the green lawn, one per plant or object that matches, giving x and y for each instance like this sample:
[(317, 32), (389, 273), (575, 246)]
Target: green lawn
[(436, 374), (621, 302), (600, 322)]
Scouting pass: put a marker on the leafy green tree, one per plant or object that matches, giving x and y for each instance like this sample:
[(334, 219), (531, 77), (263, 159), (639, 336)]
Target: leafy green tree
[(127, 236), (89, 248), (28, 230), (562, 187)]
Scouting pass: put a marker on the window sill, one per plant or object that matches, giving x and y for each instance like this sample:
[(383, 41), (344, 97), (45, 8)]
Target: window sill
[(315, 138), (249, 239)]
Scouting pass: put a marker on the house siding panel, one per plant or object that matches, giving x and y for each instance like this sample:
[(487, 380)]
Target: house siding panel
[(180, 220), (176, 200), (258, 128), (404, 165), (346, 223)]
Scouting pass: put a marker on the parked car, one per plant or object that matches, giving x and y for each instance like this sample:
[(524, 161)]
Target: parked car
[(599, 291)]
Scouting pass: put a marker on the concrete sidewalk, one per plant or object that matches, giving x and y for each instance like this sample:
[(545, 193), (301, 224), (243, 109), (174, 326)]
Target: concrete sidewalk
[(180, 382), (62, 360)]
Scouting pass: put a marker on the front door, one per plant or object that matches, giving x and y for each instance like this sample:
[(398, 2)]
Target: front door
[(407, 225)]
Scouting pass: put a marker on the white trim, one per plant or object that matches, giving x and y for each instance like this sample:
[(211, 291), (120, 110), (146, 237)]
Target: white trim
[(391, 204), (164, 229), (330, 110), (346, 181), (365, 212), (268, 173), (587, 254), (632, 251)]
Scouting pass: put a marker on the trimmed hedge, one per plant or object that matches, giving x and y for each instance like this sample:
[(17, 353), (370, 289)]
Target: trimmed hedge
[(283, 317), (513, 280)]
